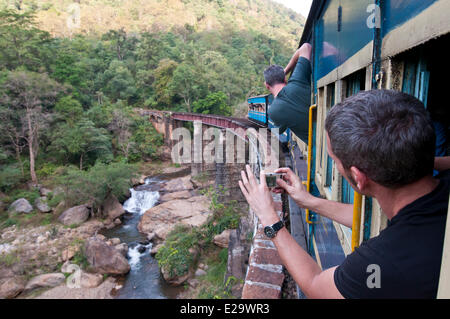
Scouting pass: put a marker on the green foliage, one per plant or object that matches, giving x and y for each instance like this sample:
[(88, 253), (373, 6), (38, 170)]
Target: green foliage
[(21, 43), (83, 142), (30, 196), (69, 109), (47, 169), (94, 185), (216, 288), (175, 256), (80, 258), (10, 177), (214, 103), (9, 259)]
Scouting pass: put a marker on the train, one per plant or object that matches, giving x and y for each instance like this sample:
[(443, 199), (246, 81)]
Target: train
[(362, 45), (258, 108)]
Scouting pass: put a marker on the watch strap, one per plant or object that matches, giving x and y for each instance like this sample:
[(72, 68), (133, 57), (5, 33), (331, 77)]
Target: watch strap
[(277, 226)]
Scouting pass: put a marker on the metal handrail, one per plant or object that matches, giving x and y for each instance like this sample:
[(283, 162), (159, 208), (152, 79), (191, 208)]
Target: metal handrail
[(308, 181), (356, 225)]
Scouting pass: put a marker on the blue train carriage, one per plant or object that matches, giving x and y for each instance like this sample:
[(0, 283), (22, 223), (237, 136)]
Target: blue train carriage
[(360, 45), (257, 112)]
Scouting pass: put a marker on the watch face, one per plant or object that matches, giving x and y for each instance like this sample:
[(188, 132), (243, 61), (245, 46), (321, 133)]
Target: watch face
[(269, 232)]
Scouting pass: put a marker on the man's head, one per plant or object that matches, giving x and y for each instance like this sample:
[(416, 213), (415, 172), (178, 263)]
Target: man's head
[(387, 136), (274, 75)]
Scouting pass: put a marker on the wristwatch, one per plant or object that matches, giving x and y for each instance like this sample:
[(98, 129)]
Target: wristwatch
[(271, 231)]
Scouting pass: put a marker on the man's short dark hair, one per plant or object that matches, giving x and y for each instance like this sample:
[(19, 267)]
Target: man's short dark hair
[(274, 74), (386, 134)]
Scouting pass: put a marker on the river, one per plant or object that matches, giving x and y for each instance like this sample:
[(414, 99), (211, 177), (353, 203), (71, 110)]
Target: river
[(144, 281)]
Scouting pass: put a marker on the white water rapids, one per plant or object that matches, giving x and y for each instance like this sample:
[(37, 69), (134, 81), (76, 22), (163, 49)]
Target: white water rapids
[(141, 200)]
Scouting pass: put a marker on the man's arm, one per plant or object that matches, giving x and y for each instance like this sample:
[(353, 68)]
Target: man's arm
[(442, 163), (314, 282), (304, 51), (339, 212)]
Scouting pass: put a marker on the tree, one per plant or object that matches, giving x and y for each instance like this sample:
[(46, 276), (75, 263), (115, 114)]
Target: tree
[(81, 141), (69, 109), (12, 133), (120, 125), (29, 96), (119, 82), (214, 103), (96, 184), (186, 83), (21, 43), (163, 77)]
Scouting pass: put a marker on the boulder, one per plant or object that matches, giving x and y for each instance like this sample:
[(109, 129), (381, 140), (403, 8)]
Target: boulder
[(69, 253), (185, 194), (20, 206), (90, 280), (112, 208), (41, 205), (44, 191), (162, 218), (11, 287), (200, 272), (75, 215), (178, 184), (45, 281), (222, 239), (105, 259), (174, 280), (122, 249)]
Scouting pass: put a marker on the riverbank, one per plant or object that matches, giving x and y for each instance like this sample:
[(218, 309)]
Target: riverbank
[(35, 258), (41, 243)]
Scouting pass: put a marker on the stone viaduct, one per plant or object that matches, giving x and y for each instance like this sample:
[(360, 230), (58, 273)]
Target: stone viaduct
[(251, 257)]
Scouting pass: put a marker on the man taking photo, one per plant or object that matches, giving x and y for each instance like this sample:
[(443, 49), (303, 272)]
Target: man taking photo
[(383, 145)]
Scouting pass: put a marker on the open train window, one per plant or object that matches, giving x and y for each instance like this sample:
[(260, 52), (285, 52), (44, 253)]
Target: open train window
[(424, 70), (354, 83), (329, 104)]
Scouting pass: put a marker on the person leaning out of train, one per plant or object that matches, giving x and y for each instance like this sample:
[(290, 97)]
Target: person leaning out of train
[(289, 108), (383, 144)]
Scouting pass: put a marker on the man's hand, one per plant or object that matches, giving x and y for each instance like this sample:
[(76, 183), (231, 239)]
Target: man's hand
[(258, 197), (294, 187), (304, 51)]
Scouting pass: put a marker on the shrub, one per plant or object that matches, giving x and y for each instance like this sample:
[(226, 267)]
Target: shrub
[(30, 196), (10, 176), (94, 185), (175, 256)]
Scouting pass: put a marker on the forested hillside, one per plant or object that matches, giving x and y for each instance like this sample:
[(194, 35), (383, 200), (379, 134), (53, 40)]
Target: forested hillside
[(68, 87), (100, 16)]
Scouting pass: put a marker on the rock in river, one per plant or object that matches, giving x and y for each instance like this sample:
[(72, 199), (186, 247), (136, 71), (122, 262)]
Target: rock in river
[(105, 259), (162, 219)]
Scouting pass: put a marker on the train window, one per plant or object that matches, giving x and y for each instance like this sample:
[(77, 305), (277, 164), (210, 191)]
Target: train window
[(354, 83), (424, 69), (330, 103)]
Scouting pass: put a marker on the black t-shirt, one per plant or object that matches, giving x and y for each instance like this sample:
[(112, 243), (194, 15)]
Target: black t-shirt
[(404, 261)]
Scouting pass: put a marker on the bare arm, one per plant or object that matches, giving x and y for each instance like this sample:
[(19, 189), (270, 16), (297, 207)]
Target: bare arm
[(314, 282), (442, 163), (339, 212), (304, 51)]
